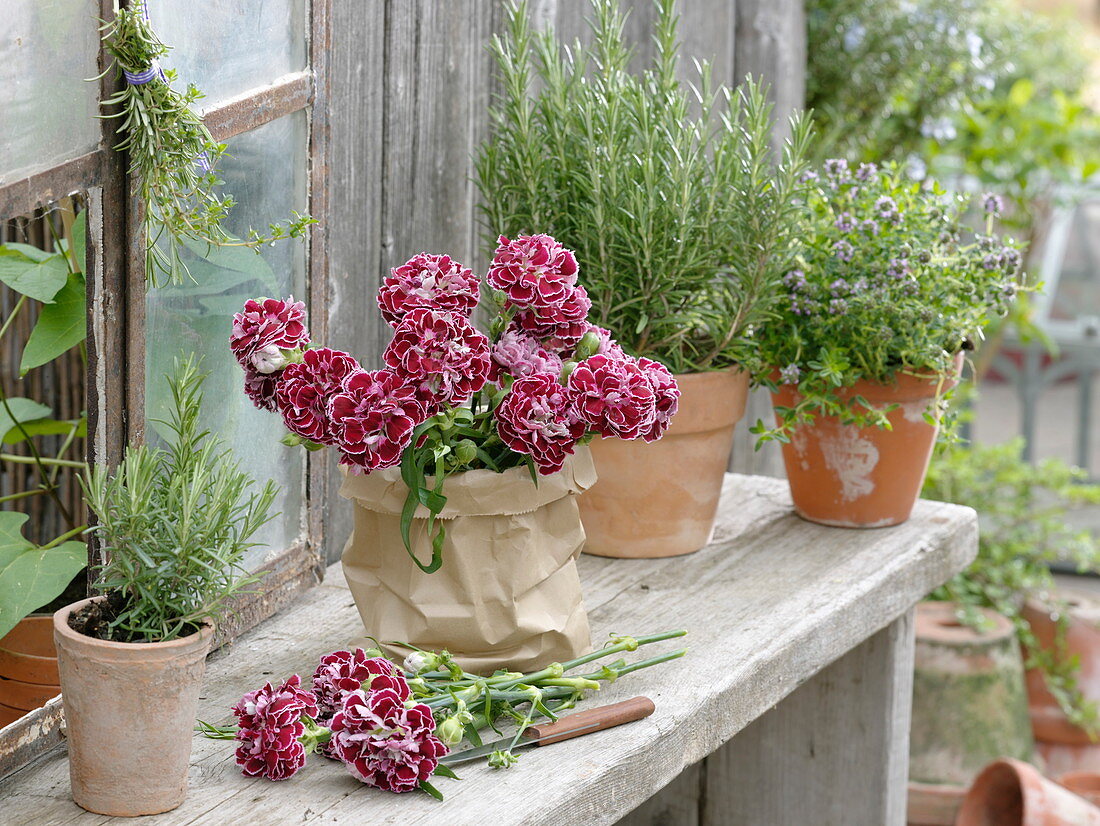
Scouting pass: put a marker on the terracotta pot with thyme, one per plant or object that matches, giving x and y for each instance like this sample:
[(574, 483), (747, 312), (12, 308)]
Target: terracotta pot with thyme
[(888, 292), (682, 218)]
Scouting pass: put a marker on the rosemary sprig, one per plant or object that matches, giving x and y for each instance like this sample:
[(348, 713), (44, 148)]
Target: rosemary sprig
[(172, 156)]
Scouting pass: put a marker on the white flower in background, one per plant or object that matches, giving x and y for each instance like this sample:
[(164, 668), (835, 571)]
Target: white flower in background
[(915, 167), (268, 360), (854, 36), (940, 129), (975, 43)]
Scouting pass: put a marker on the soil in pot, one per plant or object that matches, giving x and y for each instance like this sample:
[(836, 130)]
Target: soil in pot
[(129, 710), (864, 477), (660, 499)]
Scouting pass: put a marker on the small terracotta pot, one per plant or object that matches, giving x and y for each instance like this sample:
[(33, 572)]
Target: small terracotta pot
[(27, 652), (1082, 642), (863, 477), (659, 499), (130, 713), (1012, 793), (1086, 784), (969, 708), (9, 715)]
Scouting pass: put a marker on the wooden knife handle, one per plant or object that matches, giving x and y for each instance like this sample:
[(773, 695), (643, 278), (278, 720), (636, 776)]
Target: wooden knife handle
[(594, 719)]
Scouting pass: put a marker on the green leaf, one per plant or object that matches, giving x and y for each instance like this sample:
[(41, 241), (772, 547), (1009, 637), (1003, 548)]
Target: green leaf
[(445, 771), (22, 411), (47, 427), (60, 326), (425, 786), (27, 251), (31, 576), (37, 278), (80, 241)]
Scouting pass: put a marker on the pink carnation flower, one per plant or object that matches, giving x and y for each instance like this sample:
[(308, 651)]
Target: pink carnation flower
[(535, 419), (519, 355), (269, 722), (261, 389), (267, 323), (431, 282), (342, 672), (666, 397), (373, 419), (385, 744), (535, 272), (608, 346), (442, 354), (560, 326), (304, 390), (613, 396)]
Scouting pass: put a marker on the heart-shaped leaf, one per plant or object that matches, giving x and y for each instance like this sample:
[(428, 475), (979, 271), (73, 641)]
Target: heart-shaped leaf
[(23, 411), (60, 326), (31, 576), (40, 279)]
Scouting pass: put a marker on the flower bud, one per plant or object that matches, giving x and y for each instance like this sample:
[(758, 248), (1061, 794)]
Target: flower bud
[(589, 345), (465, 451), (420, 661), (450, 731), (502, 760), (268, 360)]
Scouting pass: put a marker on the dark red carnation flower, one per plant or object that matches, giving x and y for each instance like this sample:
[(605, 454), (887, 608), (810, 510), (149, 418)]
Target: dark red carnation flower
[(385, 744), (613, 396), (533, 271), (559, 326), (431, 282), (342, 672), (304, 391), (666, 397), (373, 418), (269, 724), (265, 326), (536, 419), (442, 354), (261, 389)]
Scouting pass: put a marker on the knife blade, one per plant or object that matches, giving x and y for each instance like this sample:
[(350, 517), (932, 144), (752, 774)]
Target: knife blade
[(572, 725)]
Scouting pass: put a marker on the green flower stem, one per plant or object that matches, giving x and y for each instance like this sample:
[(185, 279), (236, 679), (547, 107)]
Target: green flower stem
[(11, 316), (65, 536), (11, 497), (44, 460)]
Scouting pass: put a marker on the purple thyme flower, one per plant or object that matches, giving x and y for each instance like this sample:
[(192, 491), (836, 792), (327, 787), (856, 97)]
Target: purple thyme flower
[(838, 306), (839, 287), (790, 374), (795, 280), (843, 250), (992, 261), (887, 208), (837, 168), (845, 223), (809, 177), (993, 204), (870, 226), (867, 172), (898, 269)]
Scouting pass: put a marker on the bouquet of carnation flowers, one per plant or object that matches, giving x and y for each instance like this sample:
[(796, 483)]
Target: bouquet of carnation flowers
[(390, 725), (451, 398)]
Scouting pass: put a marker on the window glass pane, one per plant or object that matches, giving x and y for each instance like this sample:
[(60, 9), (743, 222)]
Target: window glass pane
[(47, 109), (266, 174), (232, 46), (1078, 293)]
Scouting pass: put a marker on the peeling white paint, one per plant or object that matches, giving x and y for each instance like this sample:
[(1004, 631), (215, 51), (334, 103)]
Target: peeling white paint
[(852, 459)]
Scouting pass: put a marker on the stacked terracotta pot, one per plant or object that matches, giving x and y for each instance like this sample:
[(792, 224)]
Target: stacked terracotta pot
[(28, 668)]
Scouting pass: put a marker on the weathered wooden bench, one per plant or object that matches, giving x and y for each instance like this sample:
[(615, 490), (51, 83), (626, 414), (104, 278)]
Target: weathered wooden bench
[(791, 707)]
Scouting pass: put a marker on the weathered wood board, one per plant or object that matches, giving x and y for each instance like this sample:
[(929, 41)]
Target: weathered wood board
[(770, 603)]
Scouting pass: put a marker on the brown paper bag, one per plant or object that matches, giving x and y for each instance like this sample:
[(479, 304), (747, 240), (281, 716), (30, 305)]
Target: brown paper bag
[(507, 595)]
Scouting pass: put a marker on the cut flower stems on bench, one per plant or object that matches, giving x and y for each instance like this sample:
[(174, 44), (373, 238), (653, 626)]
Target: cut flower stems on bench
[(390, 725)]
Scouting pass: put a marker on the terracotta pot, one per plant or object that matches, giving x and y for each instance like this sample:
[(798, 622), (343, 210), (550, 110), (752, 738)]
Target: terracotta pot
[(1059, 758), (1086, 784), (863, 477), (129, 712), (28, 654), (660, 499), (1012, 793), (9, 715), (1083, 642), (969, 708)]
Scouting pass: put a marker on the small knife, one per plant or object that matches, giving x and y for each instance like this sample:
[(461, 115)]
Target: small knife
[(572, 725)]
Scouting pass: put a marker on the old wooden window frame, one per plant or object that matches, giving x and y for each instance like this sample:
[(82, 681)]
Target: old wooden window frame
[(116, 316)]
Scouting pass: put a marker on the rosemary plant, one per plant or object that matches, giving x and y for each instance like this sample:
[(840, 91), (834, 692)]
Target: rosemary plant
[(681, 214), (172, 154), (174, 524)]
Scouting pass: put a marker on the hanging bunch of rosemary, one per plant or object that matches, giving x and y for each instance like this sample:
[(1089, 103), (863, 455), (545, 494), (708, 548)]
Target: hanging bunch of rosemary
[(172, 154)]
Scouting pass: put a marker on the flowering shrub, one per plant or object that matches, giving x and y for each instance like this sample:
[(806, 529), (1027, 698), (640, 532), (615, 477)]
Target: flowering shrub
[(391, 725), (452, 398), (885, 284)]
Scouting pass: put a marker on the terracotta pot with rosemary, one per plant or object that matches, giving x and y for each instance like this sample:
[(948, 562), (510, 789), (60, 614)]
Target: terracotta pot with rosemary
[(889, 291), (682, 219), (174, 524)]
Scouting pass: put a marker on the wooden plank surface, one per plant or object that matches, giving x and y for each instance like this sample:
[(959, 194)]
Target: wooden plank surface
[(770, 603)]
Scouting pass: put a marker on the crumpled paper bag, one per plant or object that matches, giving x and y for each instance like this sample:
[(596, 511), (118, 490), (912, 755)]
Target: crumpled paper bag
[(508, 594)]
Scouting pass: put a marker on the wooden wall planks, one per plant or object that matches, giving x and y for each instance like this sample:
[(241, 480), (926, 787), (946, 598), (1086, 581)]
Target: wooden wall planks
[(411, 84)]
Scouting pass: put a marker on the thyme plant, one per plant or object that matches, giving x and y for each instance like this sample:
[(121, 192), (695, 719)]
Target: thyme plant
[(172, 154), (174, 523), (681, 215)]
